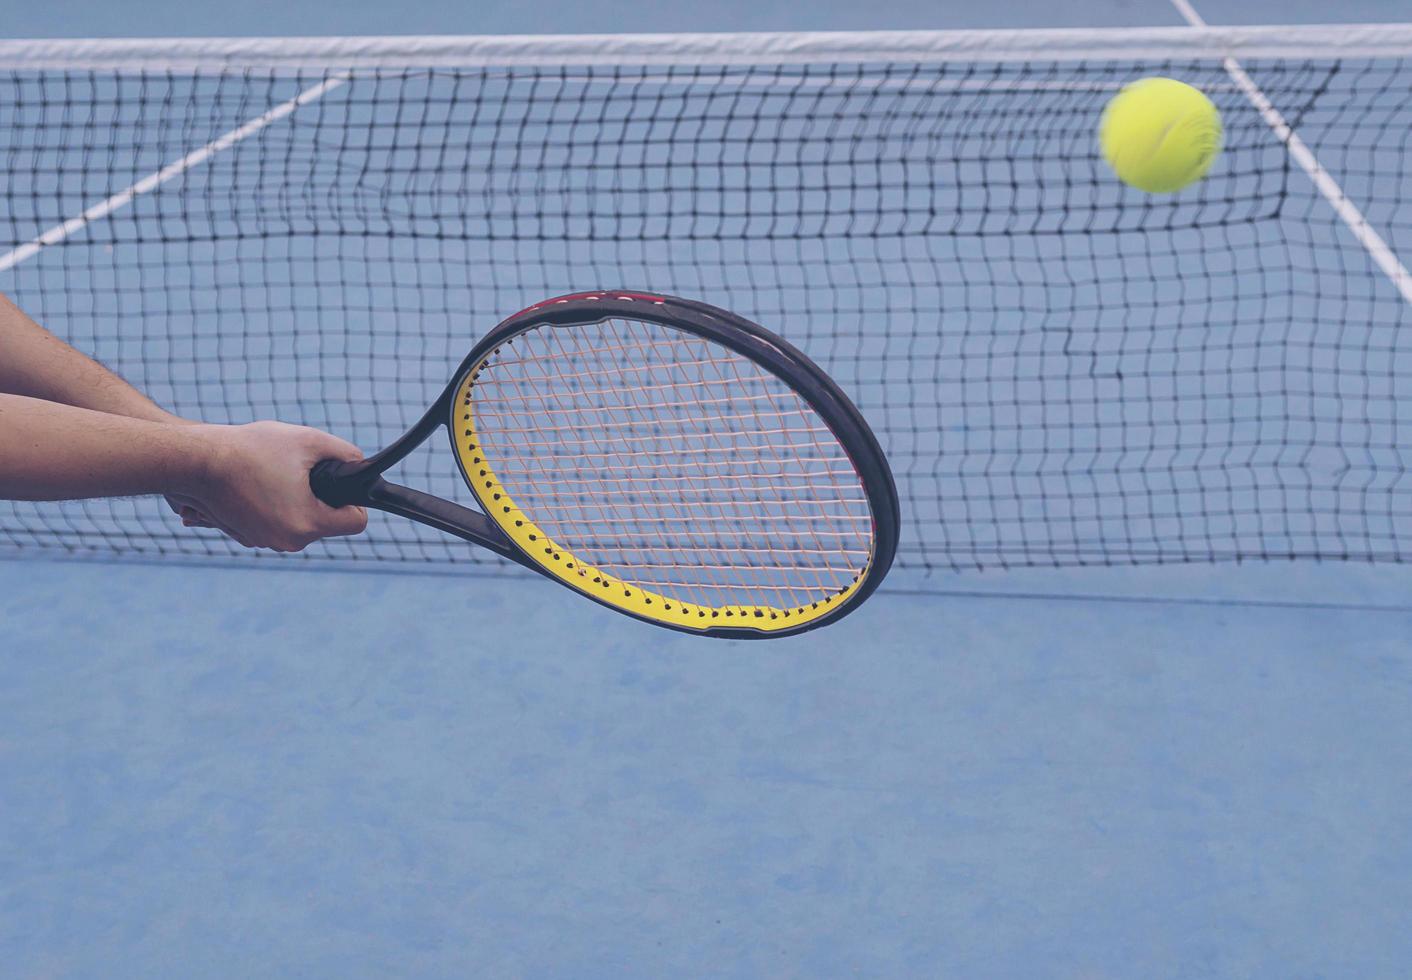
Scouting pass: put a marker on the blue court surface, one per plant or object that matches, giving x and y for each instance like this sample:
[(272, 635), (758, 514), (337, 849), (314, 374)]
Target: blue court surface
[(273, 771)]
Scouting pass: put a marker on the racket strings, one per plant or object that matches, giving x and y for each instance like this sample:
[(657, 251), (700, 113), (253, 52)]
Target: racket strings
[(764, 573), (673, 463)]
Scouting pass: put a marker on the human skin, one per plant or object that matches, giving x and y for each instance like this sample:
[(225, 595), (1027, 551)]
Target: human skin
[(71, 429)]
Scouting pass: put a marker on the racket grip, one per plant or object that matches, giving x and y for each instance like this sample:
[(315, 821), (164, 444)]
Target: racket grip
[(329, 481)]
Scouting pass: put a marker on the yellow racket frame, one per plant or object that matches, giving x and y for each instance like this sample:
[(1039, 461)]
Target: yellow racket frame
[(574, 572)]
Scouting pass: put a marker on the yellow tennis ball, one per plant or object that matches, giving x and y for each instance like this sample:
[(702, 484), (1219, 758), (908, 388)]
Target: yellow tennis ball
[(1160, 135)]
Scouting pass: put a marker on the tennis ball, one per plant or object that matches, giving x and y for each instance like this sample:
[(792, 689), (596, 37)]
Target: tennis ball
[(1160, 135)]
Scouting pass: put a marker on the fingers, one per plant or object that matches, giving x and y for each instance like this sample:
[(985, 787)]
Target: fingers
[(191, 518), (229, 532), (346, 521), (190, 514), (259, 492), (197, 520), (340, 521), (180, 504), (330, 446)]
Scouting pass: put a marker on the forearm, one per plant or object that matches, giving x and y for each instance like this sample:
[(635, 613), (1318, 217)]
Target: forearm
[(50, 451), (35, 363)]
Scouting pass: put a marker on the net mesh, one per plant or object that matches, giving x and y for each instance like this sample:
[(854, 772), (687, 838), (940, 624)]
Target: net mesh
[(672, 464), (1061, 370)]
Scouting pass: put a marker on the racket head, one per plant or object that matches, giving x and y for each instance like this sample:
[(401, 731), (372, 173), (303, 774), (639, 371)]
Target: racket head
[(675, 462)]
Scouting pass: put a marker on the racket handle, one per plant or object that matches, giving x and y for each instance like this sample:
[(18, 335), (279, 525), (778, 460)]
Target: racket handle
[(330, 482)]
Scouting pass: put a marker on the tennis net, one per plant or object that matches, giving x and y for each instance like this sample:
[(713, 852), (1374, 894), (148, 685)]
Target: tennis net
[(1062, 370)]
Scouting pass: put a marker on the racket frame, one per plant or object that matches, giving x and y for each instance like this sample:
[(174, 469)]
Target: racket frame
[(339, 484)]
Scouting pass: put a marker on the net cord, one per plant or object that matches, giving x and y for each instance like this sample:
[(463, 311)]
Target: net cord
[(234, 55)]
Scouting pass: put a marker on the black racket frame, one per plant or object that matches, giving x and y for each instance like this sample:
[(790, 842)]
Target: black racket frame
[(340, 484)]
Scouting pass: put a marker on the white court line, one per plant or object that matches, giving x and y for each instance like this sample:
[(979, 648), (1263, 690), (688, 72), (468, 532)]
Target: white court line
[(195, 158), (1300, 153)]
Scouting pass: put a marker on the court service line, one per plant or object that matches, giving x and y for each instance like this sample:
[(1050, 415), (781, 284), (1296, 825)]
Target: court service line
[(176, 168), (1300, 153)]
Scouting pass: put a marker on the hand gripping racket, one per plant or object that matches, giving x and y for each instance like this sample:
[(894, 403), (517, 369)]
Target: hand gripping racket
[(662, 457)]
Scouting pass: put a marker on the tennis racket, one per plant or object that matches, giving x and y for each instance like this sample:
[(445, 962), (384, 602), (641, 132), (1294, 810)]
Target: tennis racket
[(665, 458)]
